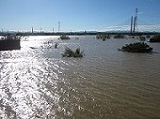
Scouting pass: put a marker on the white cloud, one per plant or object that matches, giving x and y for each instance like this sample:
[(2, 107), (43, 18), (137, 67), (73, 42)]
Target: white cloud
[(140, 28)]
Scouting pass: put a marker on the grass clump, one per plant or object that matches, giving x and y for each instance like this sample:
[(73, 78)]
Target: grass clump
[(139, 47), (70, 53)]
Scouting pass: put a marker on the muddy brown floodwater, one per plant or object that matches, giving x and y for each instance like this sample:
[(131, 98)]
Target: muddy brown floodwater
[(36, 82)]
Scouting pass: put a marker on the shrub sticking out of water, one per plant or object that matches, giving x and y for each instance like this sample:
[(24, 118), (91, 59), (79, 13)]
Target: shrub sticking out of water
[(70, 53), (64, 37), (148, 36), (11, 37), (139, 47), (142, 38), (10, 42), (155, 38), (119, 36), (102, 36), (56, 45)]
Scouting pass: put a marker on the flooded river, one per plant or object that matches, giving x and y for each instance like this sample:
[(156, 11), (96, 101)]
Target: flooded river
[(36, 82)]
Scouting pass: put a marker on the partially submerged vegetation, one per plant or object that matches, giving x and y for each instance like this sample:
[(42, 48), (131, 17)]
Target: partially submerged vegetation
[(148, 36), (56, 45), (139, 47), (11, 37), (64, 37), (70, 53), (155, 38), (119, 36), (142, 38), (102, 36), (10, 42)]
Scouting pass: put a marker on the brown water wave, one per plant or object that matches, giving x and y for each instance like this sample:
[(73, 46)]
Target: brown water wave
[(105, 84)]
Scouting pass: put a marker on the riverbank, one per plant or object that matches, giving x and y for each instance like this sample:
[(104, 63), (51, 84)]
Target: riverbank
[(77, 33)]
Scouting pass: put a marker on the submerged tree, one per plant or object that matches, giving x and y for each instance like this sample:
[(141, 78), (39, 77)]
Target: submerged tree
[(70, 53)]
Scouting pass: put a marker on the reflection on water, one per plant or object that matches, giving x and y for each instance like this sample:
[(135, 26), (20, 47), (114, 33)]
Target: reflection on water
[(36, 82)]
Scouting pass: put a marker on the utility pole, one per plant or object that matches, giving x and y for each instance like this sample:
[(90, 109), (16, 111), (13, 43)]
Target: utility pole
[(59, 25)]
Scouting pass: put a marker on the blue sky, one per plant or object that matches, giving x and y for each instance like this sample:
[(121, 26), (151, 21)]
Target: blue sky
[(74, 15)]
